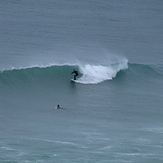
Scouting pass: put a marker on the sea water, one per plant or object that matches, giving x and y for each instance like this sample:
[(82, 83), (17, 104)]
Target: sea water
[(112, 113)]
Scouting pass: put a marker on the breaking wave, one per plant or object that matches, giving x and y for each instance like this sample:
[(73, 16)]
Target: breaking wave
[(89, 74)]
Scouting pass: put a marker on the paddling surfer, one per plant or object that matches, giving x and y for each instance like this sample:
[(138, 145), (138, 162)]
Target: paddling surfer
[(58, 107)]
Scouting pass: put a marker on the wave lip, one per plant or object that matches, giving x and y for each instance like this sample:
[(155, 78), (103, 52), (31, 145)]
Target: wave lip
[(94, 74)]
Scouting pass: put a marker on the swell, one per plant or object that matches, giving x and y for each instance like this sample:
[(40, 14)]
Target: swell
[(146, 70), (89, 74)]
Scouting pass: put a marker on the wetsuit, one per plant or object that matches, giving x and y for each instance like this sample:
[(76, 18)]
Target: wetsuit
[(76, 74)]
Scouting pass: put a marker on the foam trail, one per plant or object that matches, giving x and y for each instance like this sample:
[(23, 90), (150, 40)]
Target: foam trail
[(94, 74)]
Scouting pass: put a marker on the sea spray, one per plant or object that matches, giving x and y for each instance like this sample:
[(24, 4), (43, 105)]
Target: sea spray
[(94, 74)]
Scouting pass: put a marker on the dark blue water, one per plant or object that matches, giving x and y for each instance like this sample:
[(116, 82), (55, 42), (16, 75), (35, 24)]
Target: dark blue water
[(112, 113)]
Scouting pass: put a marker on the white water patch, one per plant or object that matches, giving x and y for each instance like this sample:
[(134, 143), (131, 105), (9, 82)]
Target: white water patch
[(94, 74)]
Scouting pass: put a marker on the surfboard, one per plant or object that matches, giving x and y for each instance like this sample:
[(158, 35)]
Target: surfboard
[(73, 80)]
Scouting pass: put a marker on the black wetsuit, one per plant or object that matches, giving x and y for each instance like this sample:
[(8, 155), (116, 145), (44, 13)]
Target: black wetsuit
[(76, 74)]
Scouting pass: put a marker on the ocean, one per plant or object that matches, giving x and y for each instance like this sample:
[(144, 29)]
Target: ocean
[(113, 113)]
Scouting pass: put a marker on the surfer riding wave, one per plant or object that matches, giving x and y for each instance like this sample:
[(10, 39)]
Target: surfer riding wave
[(76, 74)]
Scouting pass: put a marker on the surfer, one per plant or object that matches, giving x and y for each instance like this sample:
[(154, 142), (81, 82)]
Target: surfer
[(76, 74), (58, 107)]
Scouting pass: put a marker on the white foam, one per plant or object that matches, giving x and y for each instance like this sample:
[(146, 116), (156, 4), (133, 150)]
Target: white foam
[(94, 74), (6, 148)]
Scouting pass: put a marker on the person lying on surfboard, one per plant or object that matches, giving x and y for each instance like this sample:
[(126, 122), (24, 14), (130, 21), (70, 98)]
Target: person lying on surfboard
[(58, 107), (76, 74)]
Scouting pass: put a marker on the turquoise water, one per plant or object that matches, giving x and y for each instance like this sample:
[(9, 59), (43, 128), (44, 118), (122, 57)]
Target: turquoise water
[(113, 113)]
